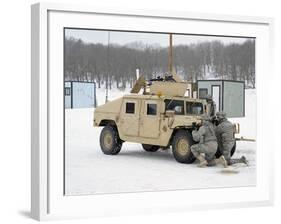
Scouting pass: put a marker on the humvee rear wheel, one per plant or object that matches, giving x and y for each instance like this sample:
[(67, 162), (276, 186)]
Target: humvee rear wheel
[(181, 144), (110, 142), (150, 148), (219, 153)]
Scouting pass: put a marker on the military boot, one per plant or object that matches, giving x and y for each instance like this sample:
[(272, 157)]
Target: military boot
[(219, 161), (202, 161), (244, 160), (240, 160), (222, 161)]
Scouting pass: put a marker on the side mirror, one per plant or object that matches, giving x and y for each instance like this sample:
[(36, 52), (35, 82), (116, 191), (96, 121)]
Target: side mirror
[(170, 113)]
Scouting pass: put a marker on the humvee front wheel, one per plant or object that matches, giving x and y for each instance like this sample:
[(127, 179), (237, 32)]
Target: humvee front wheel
[(110, 142), (181, 144), (150, 148)]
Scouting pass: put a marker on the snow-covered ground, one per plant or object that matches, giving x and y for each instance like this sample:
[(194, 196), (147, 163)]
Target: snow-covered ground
[(89, 171)]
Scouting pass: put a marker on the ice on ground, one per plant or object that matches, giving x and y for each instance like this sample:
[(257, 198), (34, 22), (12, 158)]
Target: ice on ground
[(89, 171)]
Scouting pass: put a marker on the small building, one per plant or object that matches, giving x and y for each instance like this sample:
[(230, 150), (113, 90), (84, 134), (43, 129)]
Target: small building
[(78, 94), (228, 95)]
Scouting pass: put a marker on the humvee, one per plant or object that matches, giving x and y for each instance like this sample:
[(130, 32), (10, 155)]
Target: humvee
[(158, 118)]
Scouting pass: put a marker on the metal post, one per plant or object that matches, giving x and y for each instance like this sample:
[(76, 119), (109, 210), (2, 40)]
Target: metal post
[(108, 68), (137, 73)]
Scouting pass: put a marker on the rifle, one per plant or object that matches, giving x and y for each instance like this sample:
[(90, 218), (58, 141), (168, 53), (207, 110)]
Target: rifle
[(245, 139)]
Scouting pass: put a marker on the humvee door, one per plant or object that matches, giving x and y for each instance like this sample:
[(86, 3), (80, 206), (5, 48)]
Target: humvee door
[(150, 119), (129, 120)]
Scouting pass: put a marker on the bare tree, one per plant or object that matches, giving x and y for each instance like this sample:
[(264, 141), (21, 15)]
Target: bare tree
[(210, 59)]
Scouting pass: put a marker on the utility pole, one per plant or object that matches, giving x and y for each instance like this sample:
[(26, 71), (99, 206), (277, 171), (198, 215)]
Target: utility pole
[(172, 71), (171, 53), (108, 68)]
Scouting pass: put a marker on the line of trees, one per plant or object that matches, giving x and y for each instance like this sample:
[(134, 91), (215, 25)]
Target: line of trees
[(116, 64)]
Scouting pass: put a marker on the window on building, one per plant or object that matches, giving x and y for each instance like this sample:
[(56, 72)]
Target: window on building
[(151, 109), (203, 93), (130, 108), (175, 105), (67, 91), (194, 108)]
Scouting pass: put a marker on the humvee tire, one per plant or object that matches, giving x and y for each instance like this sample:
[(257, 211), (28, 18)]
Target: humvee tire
[(218, 153), (182, 141), (150, 148), (110, 142)]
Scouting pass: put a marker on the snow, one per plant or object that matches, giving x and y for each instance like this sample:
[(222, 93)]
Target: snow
[(114, 93), (89, 171)]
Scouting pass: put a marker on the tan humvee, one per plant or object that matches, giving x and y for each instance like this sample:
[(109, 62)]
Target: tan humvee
[(156, 119)]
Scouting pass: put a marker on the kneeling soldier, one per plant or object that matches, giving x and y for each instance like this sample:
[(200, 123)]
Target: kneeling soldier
[(207, 144), (226, 139)]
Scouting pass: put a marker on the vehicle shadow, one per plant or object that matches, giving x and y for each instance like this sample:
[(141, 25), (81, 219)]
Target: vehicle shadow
[(141, 154)]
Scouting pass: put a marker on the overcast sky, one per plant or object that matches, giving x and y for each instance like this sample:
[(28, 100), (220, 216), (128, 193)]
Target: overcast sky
[(123, 38)]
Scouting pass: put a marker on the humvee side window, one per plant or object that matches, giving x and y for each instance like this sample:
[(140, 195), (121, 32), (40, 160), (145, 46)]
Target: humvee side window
[(130, 108), (151, 109), (194, 108), (176, 105)]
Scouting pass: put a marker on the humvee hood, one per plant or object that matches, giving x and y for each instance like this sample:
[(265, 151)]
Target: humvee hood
[(110, 107)]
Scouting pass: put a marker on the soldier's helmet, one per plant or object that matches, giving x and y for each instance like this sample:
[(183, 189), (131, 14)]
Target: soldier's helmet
[(221, 115)]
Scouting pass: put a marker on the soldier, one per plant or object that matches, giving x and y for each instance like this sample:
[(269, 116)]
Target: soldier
[(226, 139), (206, 147)]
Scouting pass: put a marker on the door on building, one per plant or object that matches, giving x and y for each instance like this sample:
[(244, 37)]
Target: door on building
[(216, 94)]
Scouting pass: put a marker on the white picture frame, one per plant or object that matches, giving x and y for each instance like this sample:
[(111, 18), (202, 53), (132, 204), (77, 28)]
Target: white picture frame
[(47, 198)]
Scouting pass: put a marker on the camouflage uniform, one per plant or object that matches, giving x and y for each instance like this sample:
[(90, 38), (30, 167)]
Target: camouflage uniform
[(207, 142), (226, 140), (225, 135)]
